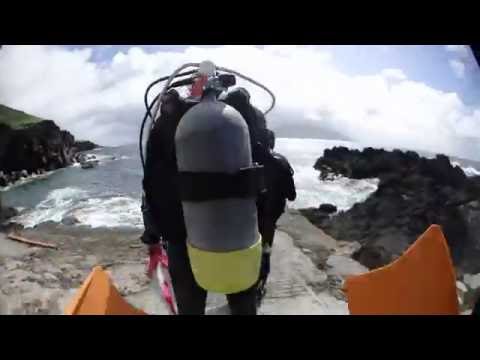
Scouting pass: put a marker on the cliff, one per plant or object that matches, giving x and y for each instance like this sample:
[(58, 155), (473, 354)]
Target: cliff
[(31, 145)]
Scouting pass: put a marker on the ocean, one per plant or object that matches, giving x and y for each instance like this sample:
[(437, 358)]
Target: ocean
[(110, 194)]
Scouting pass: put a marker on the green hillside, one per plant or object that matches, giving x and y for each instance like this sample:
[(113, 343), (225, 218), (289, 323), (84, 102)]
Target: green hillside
[(16, 119)]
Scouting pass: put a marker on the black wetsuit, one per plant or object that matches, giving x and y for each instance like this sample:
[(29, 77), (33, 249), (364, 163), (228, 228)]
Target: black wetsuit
[(280, 187), (278, 175)]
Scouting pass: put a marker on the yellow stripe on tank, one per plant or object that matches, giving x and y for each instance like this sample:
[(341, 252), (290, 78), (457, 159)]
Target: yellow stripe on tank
[(226, 272)]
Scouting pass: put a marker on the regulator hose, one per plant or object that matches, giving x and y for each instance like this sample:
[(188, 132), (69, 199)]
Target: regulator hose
[(177, 73)]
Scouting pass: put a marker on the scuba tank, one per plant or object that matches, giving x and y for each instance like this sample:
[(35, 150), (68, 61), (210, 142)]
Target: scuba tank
[(218, 191), (218, 184)]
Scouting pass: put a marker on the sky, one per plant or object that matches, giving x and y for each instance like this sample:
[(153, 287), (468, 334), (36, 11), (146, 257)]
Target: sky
[(417, 97)]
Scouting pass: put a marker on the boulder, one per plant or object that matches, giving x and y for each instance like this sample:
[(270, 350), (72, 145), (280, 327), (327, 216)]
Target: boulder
[(85, 146), (315, 216), (70, 220), (373, 256), (327, 208)]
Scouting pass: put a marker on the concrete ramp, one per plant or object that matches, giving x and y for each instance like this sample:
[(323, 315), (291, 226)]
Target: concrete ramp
[(290, 286)]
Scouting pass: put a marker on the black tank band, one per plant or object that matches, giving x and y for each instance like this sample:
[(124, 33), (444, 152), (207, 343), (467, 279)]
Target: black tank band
[(205, 186)]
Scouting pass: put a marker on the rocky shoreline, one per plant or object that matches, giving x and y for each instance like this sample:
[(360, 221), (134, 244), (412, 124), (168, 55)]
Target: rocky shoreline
[(413, 193), (30, 147), (42, 281), (309, 269), (36, 149)]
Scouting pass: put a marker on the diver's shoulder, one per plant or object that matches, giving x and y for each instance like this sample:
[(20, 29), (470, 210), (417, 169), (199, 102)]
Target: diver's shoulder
[(282, 161), (279, 157)]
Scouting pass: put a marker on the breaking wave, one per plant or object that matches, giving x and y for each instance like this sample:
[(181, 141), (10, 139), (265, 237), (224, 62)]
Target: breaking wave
[(311, 192), (113, 211), (470, 171), (97, 198)]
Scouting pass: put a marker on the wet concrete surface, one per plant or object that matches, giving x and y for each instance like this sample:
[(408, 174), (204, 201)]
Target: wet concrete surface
[(42, 281)]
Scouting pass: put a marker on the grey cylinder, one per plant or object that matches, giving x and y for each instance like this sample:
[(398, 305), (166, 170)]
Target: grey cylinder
[(213, 137)]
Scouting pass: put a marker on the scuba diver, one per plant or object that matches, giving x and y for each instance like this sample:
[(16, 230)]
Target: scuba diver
[(201, 185), (280, 186), (278, 176)]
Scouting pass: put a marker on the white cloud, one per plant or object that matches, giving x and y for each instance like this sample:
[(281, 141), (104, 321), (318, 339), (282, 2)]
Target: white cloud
[(393, 76), (458, 49), (105, 102), (458, 68), (463, 62)]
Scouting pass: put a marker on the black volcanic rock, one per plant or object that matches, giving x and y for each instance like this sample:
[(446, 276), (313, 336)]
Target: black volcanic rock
[(85, 146), (372, 256), (30, 145), (70, 220), (327, 208), (379, 163), (412, 194), (315, 216), (41, 145)]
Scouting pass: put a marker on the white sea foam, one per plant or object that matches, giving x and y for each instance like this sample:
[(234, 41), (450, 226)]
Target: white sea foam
[(311, 192), (119, 211), (115, 211), (104, 157), (56, 205), (468, 170), (471, 171), (27, 180)]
